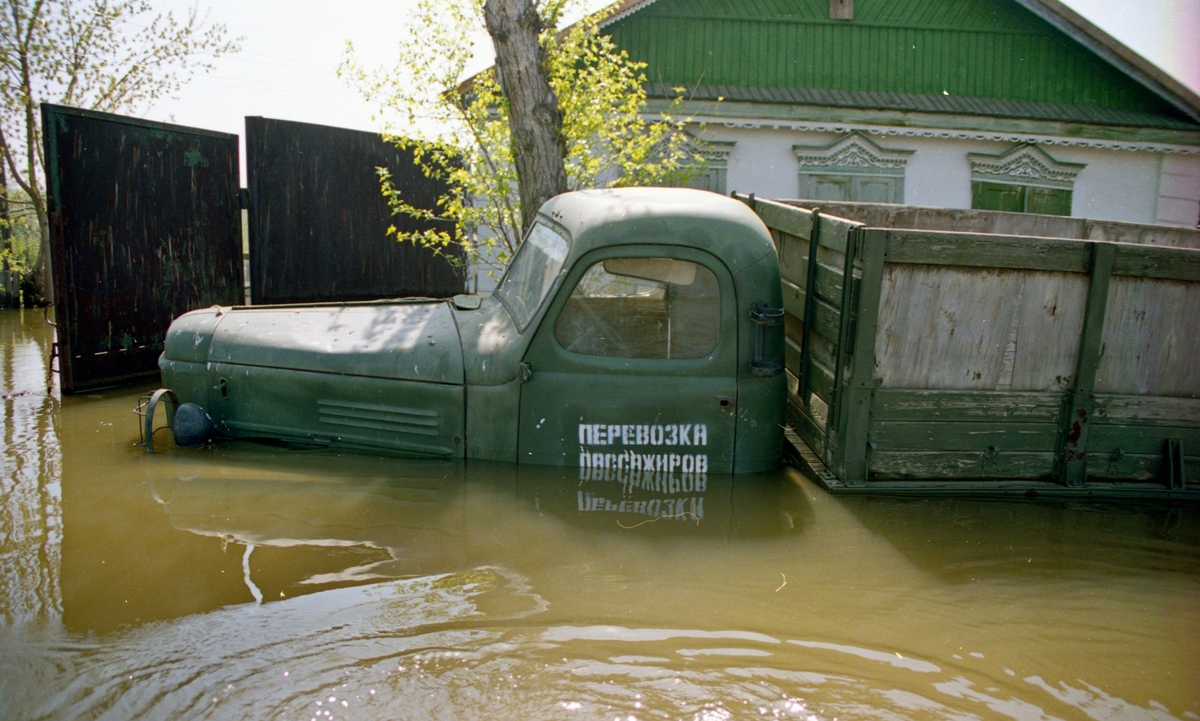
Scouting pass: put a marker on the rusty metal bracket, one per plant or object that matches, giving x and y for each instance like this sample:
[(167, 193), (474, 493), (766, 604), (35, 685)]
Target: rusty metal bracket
[(146, 407), (1176, 474)]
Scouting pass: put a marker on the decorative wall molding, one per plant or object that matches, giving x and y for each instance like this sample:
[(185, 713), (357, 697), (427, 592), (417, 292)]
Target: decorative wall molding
[(715, 156), (911, 132), (1024, 164), (853, 153), (715, 152)]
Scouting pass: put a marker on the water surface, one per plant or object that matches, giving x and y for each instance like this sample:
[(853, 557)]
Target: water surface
[(251, 581)]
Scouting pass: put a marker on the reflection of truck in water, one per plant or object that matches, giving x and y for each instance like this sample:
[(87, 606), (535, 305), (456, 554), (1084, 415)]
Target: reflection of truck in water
[(635, 331)]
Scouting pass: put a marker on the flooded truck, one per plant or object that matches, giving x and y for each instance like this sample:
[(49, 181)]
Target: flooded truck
[(913, 351), (634, 329)]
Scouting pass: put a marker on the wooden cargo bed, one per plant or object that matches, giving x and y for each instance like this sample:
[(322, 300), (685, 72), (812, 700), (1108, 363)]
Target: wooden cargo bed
[(943, 362)]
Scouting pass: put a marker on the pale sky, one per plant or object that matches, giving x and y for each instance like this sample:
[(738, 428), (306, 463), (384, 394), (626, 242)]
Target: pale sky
[(291, 51)]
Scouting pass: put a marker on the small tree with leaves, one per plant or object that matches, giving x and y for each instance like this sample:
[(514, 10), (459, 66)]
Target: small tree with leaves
[(459, 131), (108, 55)]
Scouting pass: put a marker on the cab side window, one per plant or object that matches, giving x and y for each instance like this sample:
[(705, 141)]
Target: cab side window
[(642, 308)]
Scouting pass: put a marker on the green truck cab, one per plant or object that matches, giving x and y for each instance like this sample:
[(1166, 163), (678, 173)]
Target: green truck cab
[(635, 330)]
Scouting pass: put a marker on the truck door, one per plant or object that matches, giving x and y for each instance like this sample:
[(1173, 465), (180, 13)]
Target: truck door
[(632, 370)]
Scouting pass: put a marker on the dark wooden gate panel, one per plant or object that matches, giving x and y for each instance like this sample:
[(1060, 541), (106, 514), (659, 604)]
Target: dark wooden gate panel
[(145, 226), (318, 221)]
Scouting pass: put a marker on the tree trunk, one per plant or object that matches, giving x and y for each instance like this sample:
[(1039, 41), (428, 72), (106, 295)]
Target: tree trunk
[(534, 118), (43, 278)]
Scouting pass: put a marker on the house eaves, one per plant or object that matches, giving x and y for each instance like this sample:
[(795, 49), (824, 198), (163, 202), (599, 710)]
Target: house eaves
[(1115, 53), (954, 104)]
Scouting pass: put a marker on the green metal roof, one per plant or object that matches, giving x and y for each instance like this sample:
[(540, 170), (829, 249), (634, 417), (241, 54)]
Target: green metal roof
[(991, 107), (905, 52)]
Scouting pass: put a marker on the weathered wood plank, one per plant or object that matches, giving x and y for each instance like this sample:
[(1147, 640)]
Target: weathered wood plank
[(1107, 439), (821, 350), (1151, 341), (805, 419), (813, 406), (1146, 410), (1139, 467), (791, 356), (793, 258), (835, 232), (798, 222), (807, 459), (829, 280), (826, 320), (960, 436), (829, 284), (1157, 262), (822, 382), (1045, 332), (1014, 489), (793, 299), (959, 465), (893, 404), (945, 328), (982, 329), (789, 219), (808, 430), (985, 250)]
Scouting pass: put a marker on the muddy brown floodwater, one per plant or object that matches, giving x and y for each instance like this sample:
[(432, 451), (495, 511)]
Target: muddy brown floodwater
[(251, 582)]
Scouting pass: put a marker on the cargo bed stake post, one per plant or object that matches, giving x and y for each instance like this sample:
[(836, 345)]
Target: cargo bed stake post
[(1077, 415), (1176, 473), (860, 388), (835, 424), (810, 305)]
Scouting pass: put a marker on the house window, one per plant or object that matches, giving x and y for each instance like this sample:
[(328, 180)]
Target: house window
[(711, 158), (1023, 180), (853, 168)]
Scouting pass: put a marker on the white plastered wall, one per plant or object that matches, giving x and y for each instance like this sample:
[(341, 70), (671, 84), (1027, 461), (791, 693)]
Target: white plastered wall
[(1179, 191), (1121, 185)]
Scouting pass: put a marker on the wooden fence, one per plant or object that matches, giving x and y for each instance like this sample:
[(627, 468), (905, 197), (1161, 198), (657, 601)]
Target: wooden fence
[(10, 289), (946, 361)]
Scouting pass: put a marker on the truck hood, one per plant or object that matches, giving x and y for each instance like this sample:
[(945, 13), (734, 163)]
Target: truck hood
[(397, 340)]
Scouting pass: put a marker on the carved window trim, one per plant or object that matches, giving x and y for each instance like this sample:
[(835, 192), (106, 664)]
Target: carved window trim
[(853, 154), (714, 166), (850, 157), (1024, 165)]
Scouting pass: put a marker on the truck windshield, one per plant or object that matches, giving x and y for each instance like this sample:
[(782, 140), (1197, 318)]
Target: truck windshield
[(532, 273)]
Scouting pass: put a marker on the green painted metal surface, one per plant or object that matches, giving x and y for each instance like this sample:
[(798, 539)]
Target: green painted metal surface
[(928, 48), (491, 379)]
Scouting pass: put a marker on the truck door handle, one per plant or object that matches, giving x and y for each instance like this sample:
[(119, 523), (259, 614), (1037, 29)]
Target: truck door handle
[(526, 372)]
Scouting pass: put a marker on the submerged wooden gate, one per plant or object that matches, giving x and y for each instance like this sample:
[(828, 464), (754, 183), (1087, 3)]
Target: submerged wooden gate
[(318, 220), (934, 361), (144, 226)]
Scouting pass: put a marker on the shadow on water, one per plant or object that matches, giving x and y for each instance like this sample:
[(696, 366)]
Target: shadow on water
[(250, 581), (969, 540)]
